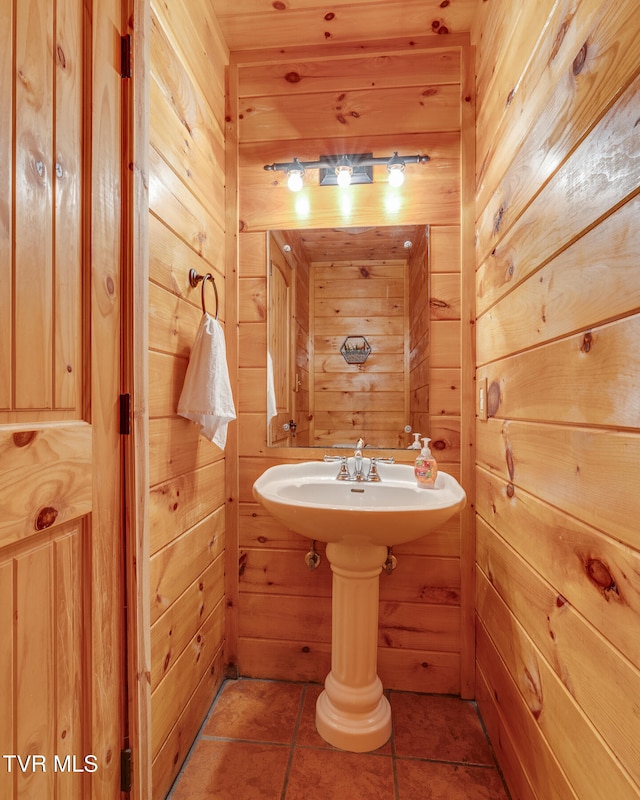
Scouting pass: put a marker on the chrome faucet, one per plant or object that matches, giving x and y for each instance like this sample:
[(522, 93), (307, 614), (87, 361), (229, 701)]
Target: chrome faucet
[(358, 473), (357, 461)]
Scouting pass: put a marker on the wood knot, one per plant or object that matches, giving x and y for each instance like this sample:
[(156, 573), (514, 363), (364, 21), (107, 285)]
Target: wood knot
[(587, 341), (439, 444), (46, 518), (292, 77), (493, 399), (23, 438), (497, 220), (579, 60), (431, 91), (600, 574), (279, 5), (510, 462), (560, 601), (511, 490), (305, 649), (329, 16)]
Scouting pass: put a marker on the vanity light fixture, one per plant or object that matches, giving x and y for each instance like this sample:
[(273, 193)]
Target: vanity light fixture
[(344, 170)]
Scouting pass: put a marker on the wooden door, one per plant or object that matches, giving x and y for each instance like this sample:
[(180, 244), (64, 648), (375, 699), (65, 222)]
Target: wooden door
[(61, 535), (281, 338)]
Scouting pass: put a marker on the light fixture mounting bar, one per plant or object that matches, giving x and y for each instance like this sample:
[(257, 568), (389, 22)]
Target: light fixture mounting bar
[(332, 161)]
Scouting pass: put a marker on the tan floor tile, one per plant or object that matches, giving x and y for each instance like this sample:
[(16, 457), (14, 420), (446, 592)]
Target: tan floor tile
[(233, 771), (322, 774), (263, 711), (438, 727), (423, 780)]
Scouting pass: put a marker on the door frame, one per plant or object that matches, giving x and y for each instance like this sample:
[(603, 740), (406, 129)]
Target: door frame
[(135, 170)]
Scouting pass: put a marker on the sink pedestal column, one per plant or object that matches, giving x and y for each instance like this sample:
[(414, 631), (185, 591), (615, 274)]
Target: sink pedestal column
[(352, 713)]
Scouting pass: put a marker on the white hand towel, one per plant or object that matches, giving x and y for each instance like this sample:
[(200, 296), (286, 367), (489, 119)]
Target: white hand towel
[(272, 409), (206, 394)]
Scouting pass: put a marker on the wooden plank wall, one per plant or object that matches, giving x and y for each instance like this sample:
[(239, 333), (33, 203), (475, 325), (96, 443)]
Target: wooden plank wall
[(358, 299), (187, 473), (308, 107), (558, 325)]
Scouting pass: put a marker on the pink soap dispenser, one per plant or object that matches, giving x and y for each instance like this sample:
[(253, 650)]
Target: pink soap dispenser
[(426, 468)]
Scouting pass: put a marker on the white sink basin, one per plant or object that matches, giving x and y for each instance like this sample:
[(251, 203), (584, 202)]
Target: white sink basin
[(307, 498)]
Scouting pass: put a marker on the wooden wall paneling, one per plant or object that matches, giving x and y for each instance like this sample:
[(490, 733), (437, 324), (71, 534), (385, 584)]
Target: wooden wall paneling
[(586, 90), (502, 744), (576, 754), (253, 27), (191, 159), (181, 737), (172, 695), (517, 41), (594, 571), (564, 466), (442, 67), (187, 475), (431, 195), (419, 670), (177, 627), (284, 660), (174, 568), (306, 620), (537, 760), (171, 258), (170, 200), (579, 186), (233, 271), (554, 281), (592, 375), (200, 49), (573, 654), (181, 502), (467, 370), (444, 392), (584, 285), (377, 112)]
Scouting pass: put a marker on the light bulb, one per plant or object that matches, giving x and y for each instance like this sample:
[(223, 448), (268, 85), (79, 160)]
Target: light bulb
[(294, 180), (396, 176), (343, 176)]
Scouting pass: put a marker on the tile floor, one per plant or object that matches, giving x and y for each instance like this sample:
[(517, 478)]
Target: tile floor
[(260, 743)]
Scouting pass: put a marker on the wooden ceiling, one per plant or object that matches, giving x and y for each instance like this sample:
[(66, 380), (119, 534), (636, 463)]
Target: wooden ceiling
[(256, 24), (356, 244)]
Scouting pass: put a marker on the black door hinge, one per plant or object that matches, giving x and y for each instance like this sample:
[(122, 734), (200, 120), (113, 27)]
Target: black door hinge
[(125, 414), (125, 770), (125, 56)]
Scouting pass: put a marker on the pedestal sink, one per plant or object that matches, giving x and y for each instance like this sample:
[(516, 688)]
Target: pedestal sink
[(358, 520)]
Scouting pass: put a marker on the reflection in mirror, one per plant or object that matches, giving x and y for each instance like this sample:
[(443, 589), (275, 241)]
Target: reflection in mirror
[(328, 290)]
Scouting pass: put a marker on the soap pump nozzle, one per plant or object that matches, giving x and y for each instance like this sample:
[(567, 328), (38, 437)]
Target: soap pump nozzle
[(415, 444)]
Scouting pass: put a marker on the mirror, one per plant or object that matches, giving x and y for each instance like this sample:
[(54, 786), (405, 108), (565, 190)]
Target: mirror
[(348, 336)]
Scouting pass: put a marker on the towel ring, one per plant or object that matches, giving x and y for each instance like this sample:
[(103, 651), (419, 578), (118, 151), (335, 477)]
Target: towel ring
[(194, 280)]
